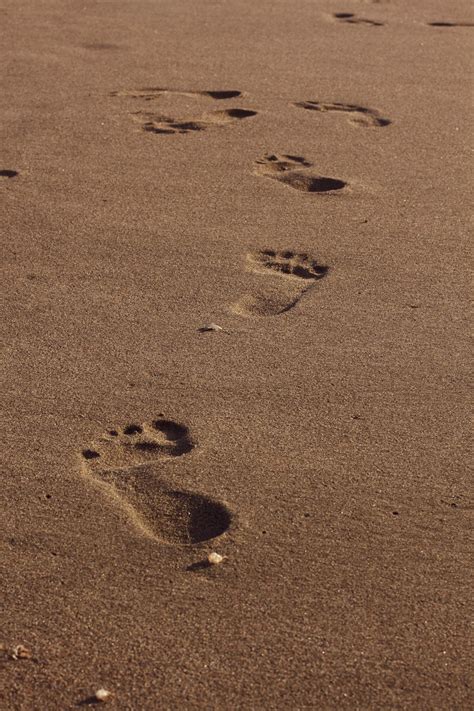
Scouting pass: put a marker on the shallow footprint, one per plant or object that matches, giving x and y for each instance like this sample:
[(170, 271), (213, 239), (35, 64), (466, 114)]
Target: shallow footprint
[(155, 123), (299, 272), (151, 93), (353, 20), (121, 463), (358, 115), (292, 171)]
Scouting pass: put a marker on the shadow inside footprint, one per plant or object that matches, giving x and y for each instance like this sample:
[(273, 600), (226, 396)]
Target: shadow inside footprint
[(450, 24), (161, 511), (309, 184), (219, 95), (292, 171), (122, 463), (279, 295)]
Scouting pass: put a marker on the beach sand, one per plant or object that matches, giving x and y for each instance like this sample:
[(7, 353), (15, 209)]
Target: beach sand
[(299, 180)]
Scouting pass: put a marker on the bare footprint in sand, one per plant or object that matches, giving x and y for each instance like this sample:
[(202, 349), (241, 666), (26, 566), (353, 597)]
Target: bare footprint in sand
[(358, 115), (155, 123), (450, 24), (292, 275), (152, 93), (352, 19), (189, 121), (123, 464), (293, 171)]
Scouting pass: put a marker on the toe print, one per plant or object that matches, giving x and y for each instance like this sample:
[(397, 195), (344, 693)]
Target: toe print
[(293, 171), (122, 464), (290, 263), (278, 295), (137, 444)]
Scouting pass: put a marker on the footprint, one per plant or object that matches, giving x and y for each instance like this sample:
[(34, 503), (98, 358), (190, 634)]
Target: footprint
[(450, 24), (295, 275), (123, 463), (353, 20), (292, 171), (154, 123), (8, 173), (359, 115), (101, 46), (151, 93)]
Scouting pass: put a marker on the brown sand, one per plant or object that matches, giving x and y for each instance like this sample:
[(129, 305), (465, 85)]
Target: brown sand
[(321, 436)]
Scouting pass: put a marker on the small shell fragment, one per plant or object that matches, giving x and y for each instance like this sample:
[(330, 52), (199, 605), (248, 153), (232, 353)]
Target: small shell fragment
[(103, 695), (21, 652), (215, 558), (210, 327)]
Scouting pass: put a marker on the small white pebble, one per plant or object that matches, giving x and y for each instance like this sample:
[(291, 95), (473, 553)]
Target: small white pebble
[(210, 327), (102, 695), (215, 558), (21, 652)]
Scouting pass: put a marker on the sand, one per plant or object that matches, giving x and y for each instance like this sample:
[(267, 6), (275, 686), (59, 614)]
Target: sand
[(299, 180)]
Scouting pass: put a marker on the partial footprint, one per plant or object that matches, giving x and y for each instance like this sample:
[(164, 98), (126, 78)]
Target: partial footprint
[(295, 275), (154, 123), (354, 20), (151, 93), (122, 464), (101, 46), (293, 171), (450, 24), (358, 115)]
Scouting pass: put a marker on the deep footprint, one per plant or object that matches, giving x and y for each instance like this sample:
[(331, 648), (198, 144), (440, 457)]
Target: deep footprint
[(155, 123), (450, 24), (358, 115), (122, 463), (353, 20), (292, 171), (300, 272)]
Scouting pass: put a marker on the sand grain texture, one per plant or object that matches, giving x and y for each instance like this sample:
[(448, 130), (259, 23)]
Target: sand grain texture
[(318, 443)]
